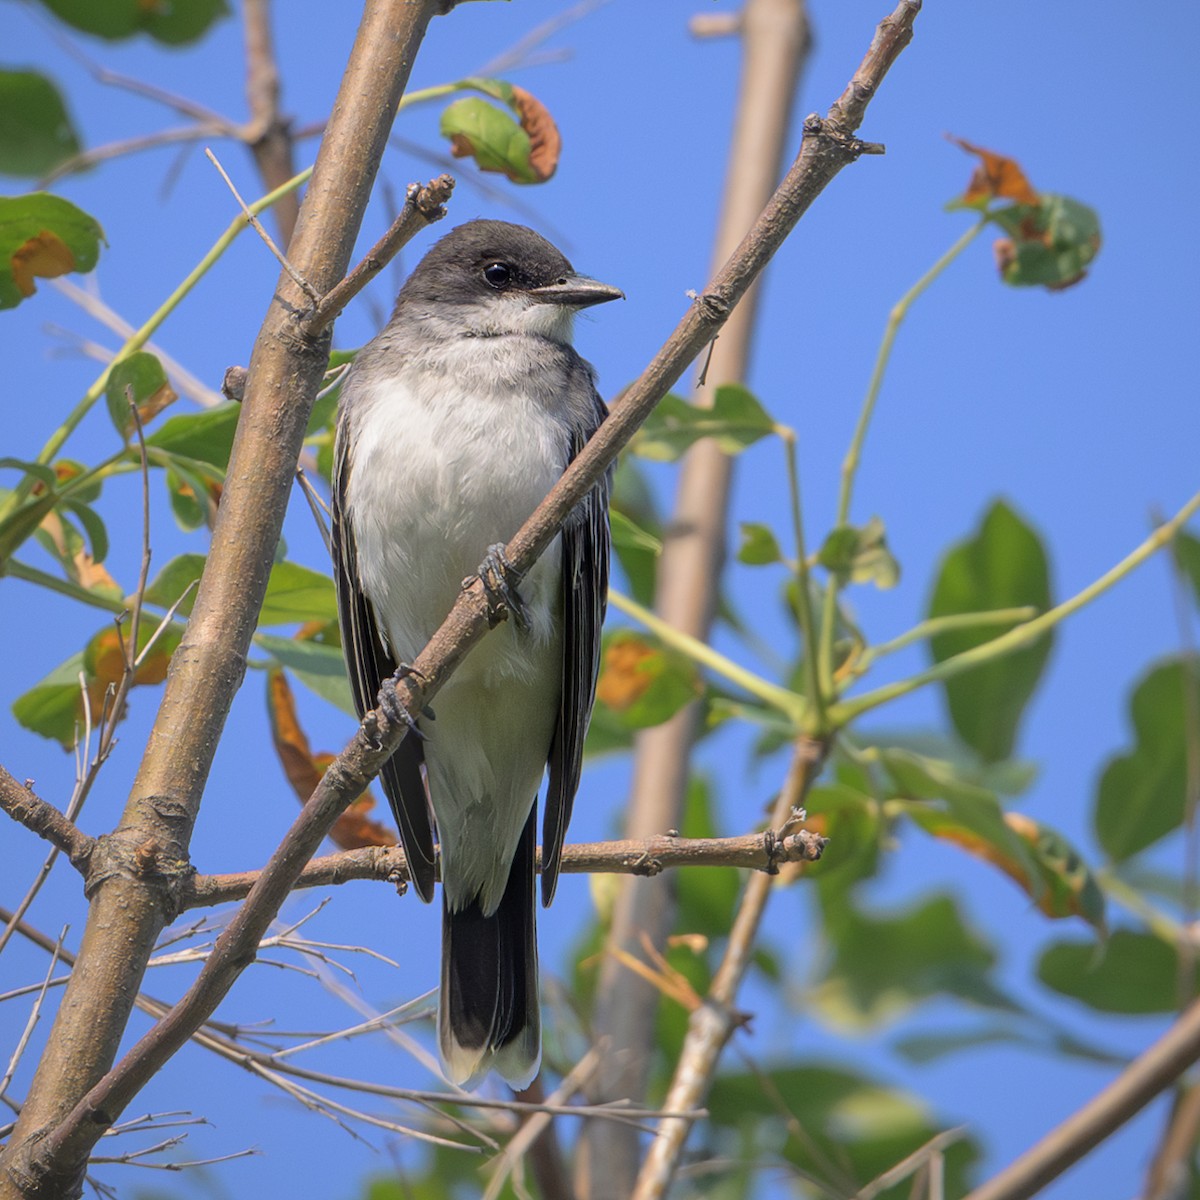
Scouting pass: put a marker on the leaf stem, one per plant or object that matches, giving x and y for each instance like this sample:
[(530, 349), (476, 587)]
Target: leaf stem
[(19, 570), (1023, 635), (816, 724), (944, 624), (853, 457), (785, 701)]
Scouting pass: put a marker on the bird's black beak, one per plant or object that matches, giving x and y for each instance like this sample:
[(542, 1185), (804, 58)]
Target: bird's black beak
[(575, 291)]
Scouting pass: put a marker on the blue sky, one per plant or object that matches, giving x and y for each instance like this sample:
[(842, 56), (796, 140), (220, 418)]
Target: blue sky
[(1079, 407)]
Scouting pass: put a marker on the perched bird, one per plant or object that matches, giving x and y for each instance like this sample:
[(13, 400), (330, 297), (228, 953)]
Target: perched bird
[(454, 423)]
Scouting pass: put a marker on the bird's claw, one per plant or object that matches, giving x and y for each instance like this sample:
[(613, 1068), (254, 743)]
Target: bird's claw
[(389, 699), (500, 580)]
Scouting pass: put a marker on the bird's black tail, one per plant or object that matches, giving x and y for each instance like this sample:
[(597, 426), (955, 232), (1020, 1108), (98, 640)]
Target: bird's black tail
[(488, 1015)]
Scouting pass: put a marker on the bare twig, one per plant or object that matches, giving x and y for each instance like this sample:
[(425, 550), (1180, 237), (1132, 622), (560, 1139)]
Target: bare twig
[(21, 803), (646, 856), (519, 54), (522, 1141), (95, 307), (422, 206), (269, 133), (34, 1016), (90, 157), (295, 276)]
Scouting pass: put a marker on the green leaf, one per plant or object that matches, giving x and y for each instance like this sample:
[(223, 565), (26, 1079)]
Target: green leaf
[(1186, 546), (40, 471), (318, 666), (759, 547), (1143, 793), (852, 821), (1002, 566), (628, 536), (190, 499), (174, 580), (491, 136), (1052, 242), (93, 526), (860, 555), (296, 594), (636, 529), (882, 966), (642, 682), (23, 523), (35, 131), (968, 814), (42, 236), (1037, 858), (51, 707), (171, 22), (205, 436), (705, 895), (735, 420), (1133, 973), (139, 377)]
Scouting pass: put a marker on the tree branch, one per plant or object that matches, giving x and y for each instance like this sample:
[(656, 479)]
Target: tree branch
[(422, 206), (647, 856), (19, 802), (1148, 1075)]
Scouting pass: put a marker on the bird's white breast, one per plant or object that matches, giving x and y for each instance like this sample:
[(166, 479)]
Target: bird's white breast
[(438, 476)]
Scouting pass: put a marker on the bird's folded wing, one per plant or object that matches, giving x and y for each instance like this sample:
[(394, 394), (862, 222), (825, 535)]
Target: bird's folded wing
[(370, 662), (585, 550)]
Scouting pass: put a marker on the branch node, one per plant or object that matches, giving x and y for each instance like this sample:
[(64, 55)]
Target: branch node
[(233, 385), (129, 854)]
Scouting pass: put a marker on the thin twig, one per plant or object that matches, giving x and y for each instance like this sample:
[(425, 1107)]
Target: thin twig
[(521, 1142), (97, 308), (34, 1016), (295, 276), (644, 856), (774, 49), (422, 206)]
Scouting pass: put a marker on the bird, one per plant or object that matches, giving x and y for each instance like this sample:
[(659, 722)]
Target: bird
[(453, 424)]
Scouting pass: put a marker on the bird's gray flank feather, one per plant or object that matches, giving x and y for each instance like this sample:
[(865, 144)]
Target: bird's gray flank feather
[(370, 662)]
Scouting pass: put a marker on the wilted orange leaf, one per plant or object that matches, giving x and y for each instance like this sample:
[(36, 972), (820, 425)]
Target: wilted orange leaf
[(46, 255), (545, 142), (622, 683), (80, 566), (354, 828), (996, 177)]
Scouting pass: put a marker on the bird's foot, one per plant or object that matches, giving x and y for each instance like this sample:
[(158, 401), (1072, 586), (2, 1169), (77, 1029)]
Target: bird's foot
[(389, 699), (500, 580)]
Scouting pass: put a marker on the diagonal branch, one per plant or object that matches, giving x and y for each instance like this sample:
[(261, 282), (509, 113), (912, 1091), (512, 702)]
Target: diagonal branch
[(1147, 1076)]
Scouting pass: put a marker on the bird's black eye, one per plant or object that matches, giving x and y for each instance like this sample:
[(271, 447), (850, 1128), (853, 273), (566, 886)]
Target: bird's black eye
[(498, 275)]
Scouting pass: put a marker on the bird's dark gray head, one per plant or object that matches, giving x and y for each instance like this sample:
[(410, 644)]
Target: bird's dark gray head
[(494, 278)]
